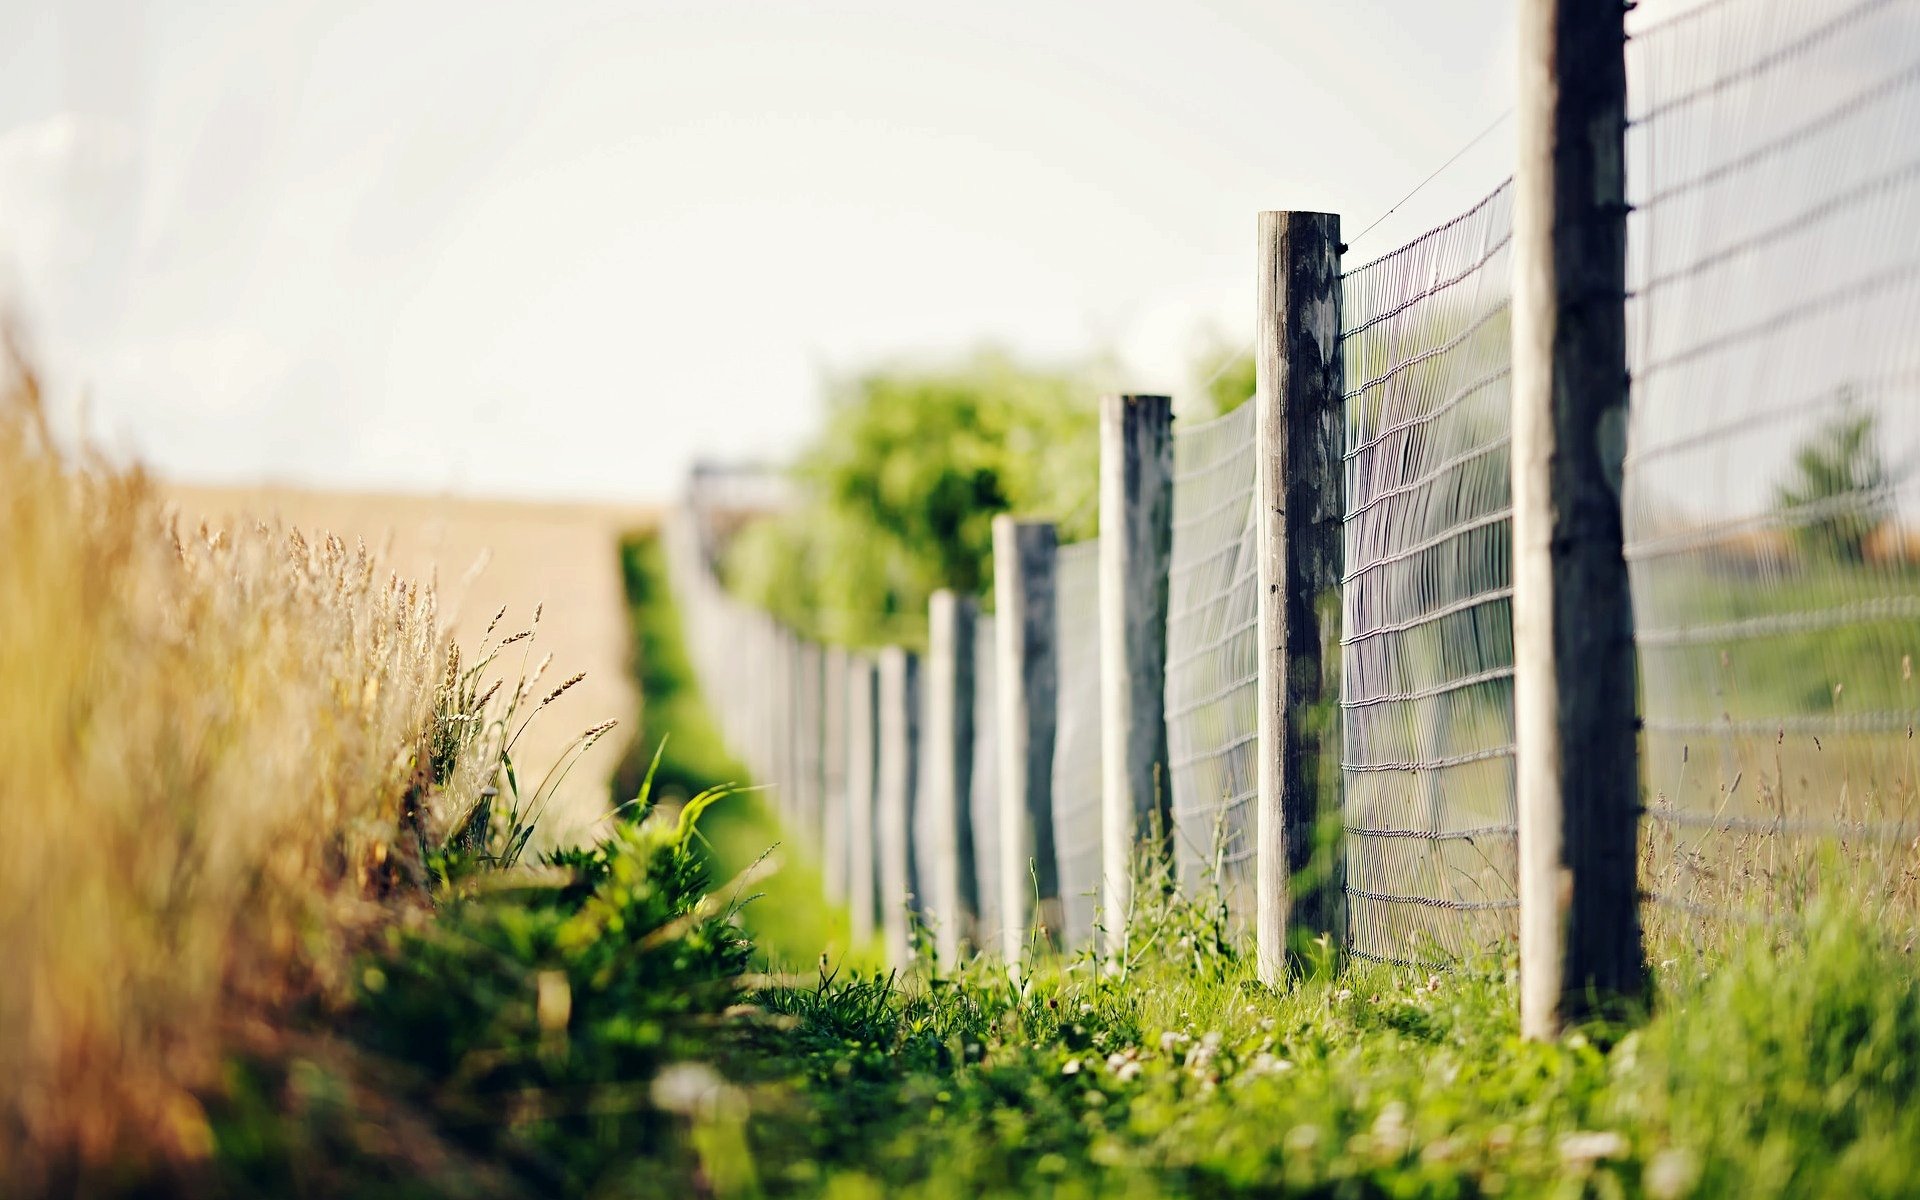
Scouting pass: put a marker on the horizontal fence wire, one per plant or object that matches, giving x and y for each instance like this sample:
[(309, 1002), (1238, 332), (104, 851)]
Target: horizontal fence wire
[(1076, 747), (1772, 490), (985, 806), (1212, 657), (1427, 627)]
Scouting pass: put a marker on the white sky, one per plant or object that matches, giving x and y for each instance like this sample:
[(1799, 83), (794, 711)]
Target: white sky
[(561, 248)]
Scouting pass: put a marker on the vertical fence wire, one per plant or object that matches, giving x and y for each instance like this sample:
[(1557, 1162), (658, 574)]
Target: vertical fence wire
[(1773, 468), (1076, 747), (1212, 656), (1427, 628)]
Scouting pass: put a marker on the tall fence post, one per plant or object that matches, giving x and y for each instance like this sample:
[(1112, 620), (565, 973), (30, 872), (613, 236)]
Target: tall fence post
[(946, 837), (1136, 556), (806, 718), (1301, 481), (780, 736), (1027, 680), (861, 710), (833, 772), (1576, 761), (899, 721)]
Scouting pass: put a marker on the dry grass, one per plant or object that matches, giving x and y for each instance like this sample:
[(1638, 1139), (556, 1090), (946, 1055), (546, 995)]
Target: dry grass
[(565, 557), (228, 752)]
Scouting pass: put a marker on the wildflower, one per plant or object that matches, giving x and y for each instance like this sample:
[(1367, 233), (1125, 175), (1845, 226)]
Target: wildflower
[(1670, 1174), (1592, 1146), (688, 1088), (1390, 1133), (1268, 1064), (1071, 1067)]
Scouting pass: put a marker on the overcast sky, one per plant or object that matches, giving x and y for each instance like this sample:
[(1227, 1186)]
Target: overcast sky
[(561, 248)]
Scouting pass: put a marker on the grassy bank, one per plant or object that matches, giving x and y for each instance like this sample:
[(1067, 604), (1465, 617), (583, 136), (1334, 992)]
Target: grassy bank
[(1781, 1072), (791, 923)]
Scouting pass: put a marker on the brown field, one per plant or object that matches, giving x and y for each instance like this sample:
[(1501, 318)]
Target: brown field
[(565, 556)]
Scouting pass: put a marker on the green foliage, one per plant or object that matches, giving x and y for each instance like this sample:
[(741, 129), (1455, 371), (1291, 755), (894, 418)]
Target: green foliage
[(1835, 496), (1789, 1071), (516, 1041), (1228, 377), (675, 725), (903, 486)]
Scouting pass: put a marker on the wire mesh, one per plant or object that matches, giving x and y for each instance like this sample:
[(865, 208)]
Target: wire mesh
[(1772, 490), (986, 785), (1212, 656), (1427, 632), (1076, 747)]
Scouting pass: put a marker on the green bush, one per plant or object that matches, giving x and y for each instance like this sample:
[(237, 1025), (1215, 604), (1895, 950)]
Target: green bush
[(902, 486)]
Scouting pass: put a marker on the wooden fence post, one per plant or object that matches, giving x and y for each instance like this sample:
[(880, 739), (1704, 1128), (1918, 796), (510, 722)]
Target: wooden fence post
[(1301, 474), (1028, 681), (1136, 556), (833, 773), (808, 693), (861, 710), (780, 735), (899, 726), (1576, 762), (946, 837)]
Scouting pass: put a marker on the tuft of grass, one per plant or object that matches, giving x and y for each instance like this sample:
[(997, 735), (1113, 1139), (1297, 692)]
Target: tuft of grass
[(232, 755)]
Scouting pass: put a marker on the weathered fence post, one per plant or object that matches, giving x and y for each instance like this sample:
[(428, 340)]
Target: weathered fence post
[(808, 693), (861, 710), (1301, 482), (1027, 680), (780, 734), (833, 772), (1576, 764), (946, 836), (1136, 555), (899, 726)]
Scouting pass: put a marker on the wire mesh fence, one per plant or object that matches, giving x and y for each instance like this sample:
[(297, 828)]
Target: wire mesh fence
[(1076, 747), (1772, 491), (1771, 506), (1427, 628), (1212, 655)]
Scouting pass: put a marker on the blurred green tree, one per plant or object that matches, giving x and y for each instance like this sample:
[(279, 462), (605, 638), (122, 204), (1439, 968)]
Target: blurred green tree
[(902, 485), (1835, 495)]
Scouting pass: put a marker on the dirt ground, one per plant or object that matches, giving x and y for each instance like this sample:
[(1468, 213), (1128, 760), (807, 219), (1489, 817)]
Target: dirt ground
[(565, 556)]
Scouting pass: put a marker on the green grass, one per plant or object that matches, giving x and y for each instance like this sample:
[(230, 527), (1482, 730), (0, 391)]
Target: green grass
[(791, 923), (595, 1029), (1778, 1073), (1780, 1070)]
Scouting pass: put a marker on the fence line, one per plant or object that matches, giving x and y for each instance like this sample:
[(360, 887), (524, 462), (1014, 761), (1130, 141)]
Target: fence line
[(1077, 830), (1770, 502)]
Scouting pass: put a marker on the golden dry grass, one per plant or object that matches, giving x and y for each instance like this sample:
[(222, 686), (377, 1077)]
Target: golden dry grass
[(563, 556), (229, 749)]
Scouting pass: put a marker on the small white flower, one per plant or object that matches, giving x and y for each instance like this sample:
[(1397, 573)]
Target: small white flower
[(1671, 1174), (1072, 1067), (688, 1088), (1591, 1146)]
